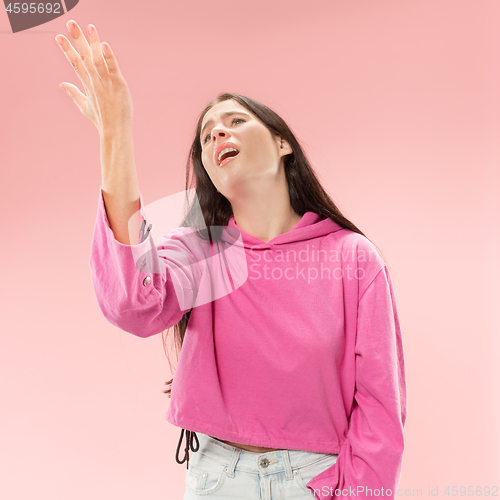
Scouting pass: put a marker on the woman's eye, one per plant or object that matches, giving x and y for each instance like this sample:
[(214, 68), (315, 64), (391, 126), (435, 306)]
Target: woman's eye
[(234, 120)]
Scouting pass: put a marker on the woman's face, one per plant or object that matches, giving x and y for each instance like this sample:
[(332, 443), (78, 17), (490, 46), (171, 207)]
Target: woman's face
[(259, 152)]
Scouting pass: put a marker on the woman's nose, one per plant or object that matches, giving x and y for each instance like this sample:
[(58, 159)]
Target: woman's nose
[(218, 132)]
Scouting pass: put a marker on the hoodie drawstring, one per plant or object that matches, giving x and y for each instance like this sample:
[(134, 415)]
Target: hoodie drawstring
[(190, 437)]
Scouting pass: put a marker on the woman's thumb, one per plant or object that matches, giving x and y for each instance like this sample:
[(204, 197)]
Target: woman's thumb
[(78, 98), (66, 89)]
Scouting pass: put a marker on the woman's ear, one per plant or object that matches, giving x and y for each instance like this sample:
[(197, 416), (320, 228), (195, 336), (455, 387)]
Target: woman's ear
[(285, 148)]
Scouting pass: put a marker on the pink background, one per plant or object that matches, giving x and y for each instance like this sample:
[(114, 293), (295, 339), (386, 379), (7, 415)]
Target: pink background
[(396, 103)]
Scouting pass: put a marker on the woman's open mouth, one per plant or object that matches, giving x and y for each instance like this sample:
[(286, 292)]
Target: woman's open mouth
[(227, 159), (225, 152)]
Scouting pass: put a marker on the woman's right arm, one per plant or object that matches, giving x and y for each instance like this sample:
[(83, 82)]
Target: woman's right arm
[(139, 298), (134, 286), (108, 104), (120, 188)]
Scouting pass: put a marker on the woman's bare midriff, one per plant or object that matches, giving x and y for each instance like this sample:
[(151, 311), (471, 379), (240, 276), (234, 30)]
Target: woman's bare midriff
[(248, 447)]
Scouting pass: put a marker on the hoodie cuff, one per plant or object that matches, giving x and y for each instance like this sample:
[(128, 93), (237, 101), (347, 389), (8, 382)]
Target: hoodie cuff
[(130, 252)]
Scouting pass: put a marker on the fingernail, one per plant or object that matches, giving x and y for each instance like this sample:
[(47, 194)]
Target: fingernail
[(90, 29), (104, 47), (70, 26), (59, 40)]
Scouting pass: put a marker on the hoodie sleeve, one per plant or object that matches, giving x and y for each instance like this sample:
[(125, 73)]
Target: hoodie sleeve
[(133, 284), (371, 456)]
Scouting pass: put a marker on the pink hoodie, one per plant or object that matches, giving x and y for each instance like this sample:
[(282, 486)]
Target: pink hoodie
[(291, 344)]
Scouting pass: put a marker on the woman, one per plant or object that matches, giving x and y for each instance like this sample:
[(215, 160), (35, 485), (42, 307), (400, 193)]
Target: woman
[(290, 381)]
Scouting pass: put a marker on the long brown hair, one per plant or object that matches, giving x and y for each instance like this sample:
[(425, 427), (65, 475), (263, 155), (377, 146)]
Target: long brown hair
[(305, 190)]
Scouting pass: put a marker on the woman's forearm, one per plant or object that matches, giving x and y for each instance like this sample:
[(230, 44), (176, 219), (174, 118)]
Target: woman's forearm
[(120, 186)]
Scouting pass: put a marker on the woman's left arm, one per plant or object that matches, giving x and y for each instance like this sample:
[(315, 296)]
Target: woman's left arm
[(371, 456)]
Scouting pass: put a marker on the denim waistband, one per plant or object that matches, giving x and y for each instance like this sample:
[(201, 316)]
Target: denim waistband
[(265, 463)]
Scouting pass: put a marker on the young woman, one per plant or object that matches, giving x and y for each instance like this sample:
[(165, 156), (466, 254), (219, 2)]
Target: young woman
[(290, 381)]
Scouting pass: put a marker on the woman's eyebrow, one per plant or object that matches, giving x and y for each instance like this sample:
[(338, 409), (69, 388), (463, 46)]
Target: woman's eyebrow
[(224, 115)]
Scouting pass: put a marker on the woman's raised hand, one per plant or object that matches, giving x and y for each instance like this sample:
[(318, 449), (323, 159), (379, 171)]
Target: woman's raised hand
[(107, 102), (108, 105)]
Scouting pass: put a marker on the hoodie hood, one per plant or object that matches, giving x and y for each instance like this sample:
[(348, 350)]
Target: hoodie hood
[(310, 226)]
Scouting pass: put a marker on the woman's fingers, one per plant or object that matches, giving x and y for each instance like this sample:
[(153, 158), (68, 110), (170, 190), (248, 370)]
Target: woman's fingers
[(75, 60), (83, 50), (106, 100), (75, 94), (111, 61), (96, 51)]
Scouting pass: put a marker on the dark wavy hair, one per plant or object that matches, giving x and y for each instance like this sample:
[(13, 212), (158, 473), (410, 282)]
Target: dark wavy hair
[(305, 190)]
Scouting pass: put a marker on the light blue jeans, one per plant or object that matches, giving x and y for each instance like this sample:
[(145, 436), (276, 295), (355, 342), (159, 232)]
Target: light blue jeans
[(218, 470)]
